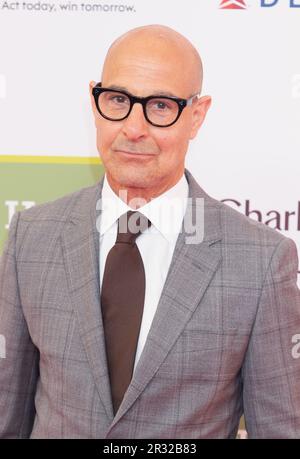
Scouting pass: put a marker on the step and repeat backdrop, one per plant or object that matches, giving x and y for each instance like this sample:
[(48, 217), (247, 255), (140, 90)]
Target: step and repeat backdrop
[(247, 153)]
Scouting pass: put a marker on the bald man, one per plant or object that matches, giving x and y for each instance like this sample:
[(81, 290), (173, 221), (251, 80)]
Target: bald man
[(142, 307)]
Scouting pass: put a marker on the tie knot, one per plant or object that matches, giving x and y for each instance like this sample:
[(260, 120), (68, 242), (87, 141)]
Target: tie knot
[(130, 226)]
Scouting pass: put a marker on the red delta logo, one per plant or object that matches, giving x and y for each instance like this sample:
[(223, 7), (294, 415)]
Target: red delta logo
[(233, 5)]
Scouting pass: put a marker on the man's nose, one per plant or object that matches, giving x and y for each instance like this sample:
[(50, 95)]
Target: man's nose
[(135, 125)]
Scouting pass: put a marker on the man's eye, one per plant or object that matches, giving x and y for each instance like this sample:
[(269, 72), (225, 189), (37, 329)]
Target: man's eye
[(159, 105), (118, 99)]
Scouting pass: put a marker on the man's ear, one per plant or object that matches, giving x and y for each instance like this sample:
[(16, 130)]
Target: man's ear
[(200, 109)]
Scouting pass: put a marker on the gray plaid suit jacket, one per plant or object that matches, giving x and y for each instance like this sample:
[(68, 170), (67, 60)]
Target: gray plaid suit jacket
[(220, 343)]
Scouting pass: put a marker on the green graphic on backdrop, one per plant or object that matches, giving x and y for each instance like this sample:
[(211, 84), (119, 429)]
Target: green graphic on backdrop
[(24, 183)]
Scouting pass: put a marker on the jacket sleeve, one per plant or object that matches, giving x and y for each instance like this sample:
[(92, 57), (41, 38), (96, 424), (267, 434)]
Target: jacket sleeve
[(18, 355), (271, 368)]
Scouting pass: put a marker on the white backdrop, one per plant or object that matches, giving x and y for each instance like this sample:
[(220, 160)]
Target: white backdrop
[(248, 149)]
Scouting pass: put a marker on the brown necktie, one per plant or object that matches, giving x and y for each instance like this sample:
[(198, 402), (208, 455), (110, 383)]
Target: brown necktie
[(122, 302)]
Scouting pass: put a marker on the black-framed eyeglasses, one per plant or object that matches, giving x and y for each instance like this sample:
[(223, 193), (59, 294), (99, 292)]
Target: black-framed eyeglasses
[(161, 111)]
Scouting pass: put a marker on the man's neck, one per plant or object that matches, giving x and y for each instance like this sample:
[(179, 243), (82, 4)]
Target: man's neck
[(136, 197)]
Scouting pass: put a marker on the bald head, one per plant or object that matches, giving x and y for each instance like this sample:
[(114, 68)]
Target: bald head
[(159, 46)]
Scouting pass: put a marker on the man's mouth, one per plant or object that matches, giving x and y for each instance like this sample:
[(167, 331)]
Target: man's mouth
[(135, 153)]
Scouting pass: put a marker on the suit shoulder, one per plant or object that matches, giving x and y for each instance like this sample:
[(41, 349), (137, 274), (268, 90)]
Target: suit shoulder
[(237, 227), (59, 209), (39, 228)]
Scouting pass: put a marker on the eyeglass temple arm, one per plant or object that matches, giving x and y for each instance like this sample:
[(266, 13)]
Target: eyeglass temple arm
[(190, 100)]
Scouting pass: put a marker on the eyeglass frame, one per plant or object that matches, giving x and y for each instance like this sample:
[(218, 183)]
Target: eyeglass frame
[(182, 103)]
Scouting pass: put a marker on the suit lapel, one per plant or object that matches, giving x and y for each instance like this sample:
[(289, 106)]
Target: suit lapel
[(191, 270), (80, 245)]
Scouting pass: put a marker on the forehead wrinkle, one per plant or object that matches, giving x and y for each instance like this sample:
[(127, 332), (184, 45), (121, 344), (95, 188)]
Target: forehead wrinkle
[(159, 77), (152, 64)]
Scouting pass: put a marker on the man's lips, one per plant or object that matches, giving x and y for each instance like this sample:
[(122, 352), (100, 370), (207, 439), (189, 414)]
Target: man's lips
[(135, 154)]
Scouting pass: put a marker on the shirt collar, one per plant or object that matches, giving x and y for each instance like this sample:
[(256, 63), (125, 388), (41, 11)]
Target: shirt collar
[(165, 212)]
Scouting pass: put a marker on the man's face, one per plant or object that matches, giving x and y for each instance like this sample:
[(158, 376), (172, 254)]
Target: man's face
[(134, 152)]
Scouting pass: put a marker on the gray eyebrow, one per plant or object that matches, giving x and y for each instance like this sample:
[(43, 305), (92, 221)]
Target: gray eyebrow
[(156, 93)]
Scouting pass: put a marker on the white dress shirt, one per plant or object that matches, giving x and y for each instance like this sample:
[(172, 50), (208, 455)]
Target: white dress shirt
[(156, 244)]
